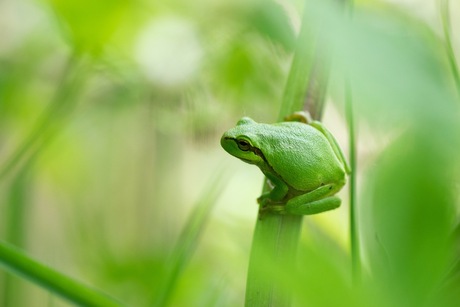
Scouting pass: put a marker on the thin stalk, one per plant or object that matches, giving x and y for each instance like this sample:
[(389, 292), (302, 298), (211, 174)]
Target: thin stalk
[(188, 240), (299, 78), (353, 213), (47, 124), (18, 200), (16, 262), (276, 236), (445, 17), (316, 94)]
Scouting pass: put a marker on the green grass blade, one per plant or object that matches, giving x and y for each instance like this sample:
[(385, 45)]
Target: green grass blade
[(276, 236), (16, 262), (49, 123), (299, 78), (18, 202), (444, 8), (274, 244), (188, 240), (353, 214)]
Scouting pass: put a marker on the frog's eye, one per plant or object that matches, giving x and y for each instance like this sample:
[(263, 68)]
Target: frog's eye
[(243, 145)]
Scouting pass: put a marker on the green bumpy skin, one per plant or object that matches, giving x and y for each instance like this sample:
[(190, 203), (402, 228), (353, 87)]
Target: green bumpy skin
[(302, 161)]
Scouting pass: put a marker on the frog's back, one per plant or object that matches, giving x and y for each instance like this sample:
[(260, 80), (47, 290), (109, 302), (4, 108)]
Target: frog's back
[(302, 156)]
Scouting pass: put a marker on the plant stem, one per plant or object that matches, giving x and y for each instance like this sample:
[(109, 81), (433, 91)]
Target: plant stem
[(353, 215), (48, 125), (17, 202), (444, 8), (353, 212), (188, 240), (274, 244), (299, 78), (18, 263), (49, 122), (276, 236)]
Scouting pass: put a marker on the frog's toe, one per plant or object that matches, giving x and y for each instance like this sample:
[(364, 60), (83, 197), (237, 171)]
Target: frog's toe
[(261, 201), (264, 201), (279, 209)]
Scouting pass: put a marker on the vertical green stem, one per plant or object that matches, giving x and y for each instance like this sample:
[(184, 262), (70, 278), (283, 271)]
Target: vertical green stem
[(299, 78), (276, 236), (444, 7), (353, 214), (48, 124), (187, 242), (274, 244)]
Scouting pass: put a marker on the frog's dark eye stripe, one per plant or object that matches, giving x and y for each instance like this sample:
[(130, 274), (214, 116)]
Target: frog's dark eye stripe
[(243, 145)]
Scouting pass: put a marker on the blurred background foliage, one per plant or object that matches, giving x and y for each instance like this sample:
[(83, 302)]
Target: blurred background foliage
[(110, 119)]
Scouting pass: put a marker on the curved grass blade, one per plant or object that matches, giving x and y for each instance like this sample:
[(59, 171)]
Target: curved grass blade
[(18, 201), (276, 237), (50, 121), (16, 262), (188, 240), (444, 8)]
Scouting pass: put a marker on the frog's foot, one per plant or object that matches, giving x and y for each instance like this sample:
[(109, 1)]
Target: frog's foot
[(321, 205), (277, 209), (264, 200), (266, 204), (301, 116)]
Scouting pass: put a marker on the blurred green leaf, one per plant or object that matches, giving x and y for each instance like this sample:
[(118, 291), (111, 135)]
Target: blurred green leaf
[(90, 24), (52, 118), (188, 240), (271, 20), (393, 61), (450, 289), (129, 147), (17, 262), (412, 208)]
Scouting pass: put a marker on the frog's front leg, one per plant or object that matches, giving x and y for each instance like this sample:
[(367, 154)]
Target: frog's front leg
[(316, 201), (276, 194)]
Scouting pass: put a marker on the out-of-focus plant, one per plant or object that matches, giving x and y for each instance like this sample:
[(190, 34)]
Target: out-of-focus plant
[(87, 25), (110, 114)]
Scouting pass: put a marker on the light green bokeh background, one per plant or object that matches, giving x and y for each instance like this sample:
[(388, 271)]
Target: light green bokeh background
[(106, 194)]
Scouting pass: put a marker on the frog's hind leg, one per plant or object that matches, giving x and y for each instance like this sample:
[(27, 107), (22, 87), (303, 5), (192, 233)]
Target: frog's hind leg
[(318, 206), (316, 201)]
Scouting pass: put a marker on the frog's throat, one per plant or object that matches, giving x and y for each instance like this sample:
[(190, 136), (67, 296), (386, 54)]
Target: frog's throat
[(267, 169)]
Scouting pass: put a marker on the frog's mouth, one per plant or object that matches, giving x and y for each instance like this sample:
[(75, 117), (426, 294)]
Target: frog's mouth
[(247, 160), (250, 155), (256, 157)]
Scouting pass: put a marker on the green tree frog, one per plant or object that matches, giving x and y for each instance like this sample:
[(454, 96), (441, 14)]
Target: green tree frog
[(302, 161)]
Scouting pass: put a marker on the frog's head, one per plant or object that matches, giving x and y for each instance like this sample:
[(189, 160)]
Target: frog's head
[(241, 141)]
